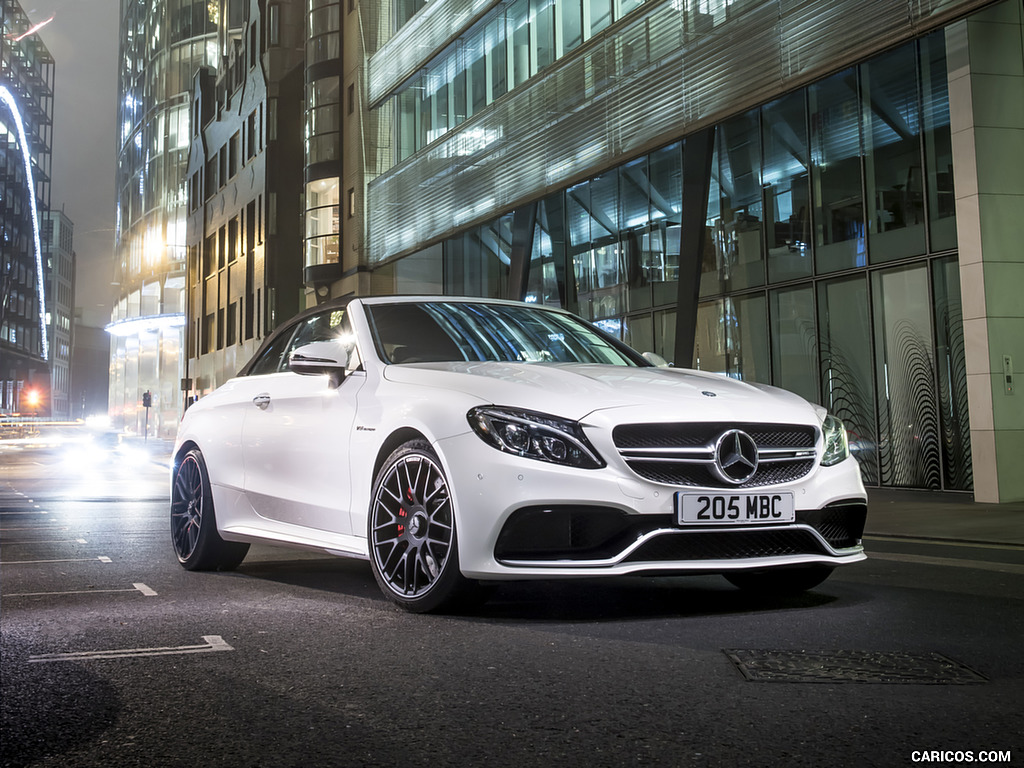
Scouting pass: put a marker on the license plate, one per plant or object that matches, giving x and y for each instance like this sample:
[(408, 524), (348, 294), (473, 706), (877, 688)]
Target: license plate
[(737, 508)]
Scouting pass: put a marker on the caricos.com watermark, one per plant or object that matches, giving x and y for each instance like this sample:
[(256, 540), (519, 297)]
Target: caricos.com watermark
[(960, 756)]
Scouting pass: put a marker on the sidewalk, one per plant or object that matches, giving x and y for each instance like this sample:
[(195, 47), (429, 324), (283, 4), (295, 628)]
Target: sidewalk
[(933, 515)]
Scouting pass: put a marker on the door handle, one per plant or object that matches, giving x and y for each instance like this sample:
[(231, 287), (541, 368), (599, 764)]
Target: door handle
[(261, 401)]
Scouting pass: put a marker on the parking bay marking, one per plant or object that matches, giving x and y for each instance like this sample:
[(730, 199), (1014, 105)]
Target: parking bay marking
[(101, 558), (211, 644), (48, 541), (137, 587)]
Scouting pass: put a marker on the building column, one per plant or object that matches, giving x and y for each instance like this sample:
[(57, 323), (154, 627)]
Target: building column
[(985, 58), (697, 152)]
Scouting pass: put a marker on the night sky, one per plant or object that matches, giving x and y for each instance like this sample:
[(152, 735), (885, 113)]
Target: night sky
[(83, 40)]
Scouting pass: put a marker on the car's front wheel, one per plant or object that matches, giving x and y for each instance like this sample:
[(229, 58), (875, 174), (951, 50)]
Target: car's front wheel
[(780, 581), (412, 536), (193, 525)]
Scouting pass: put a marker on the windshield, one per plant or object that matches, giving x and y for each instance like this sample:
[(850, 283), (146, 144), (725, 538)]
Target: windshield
[(471, 331)]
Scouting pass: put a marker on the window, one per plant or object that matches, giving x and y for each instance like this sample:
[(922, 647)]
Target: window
[(835, 159), (323, 122), (794, 335), (270, 359), (734, 209), (787, 188), (844, 338), (322, 221), (938, 148), (892, 156), (452, 331), (273, 25), (330, 325)]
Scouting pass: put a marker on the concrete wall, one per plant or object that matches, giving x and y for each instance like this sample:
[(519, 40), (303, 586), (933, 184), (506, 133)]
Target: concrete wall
[(986, 88)]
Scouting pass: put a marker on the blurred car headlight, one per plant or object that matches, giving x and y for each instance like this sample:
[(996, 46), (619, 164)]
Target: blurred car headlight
[(837, 445), (535, 436)]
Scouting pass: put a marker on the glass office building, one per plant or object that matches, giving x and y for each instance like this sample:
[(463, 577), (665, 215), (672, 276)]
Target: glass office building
[(827, 201), (27, 73), (163, 43)]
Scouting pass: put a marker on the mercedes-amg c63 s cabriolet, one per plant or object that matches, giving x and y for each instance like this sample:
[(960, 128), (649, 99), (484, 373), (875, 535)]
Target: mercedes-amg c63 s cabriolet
[(454, 442)]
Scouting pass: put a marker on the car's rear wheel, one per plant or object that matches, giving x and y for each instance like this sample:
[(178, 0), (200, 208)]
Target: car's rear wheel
[(193, 524), (412, 534), (780, 581)]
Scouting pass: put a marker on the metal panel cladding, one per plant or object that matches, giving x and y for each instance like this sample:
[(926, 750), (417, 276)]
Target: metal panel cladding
[(412, 46), (648, 80)]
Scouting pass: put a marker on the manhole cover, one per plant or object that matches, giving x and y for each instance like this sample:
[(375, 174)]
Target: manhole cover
[(852, 667)]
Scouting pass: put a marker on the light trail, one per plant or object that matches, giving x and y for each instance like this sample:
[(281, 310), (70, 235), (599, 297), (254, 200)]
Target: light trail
[(32, 30)]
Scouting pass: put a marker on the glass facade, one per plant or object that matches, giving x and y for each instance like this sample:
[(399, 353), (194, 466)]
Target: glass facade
[(162, 44), (829, 263), (322, 133), (27, 76), (503, 50)]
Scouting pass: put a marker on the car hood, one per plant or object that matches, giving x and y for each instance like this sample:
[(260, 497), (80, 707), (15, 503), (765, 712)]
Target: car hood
[(575, 391)]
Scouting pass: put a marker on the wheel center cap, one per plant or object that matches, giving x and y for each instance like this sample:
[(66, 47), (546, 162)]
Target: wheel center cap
[(417, 524)]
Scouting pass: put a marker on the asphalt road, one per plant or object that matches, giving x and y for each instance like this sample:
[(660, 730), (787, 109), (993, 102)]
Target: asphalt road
[(112, 655)]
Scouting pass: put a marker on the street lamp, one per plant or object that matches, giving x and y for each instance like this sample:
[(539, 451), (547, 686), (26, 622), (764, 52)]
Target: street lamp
[(33, 399)]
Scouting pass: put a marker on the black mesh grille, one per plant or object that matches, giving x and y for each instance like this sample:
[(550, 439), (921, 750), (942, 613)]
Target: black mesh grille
[(692, 473), (682, 473), (781, 436), (726, 545), (842, 525), (572, 532), (664, 435), (706, 433)]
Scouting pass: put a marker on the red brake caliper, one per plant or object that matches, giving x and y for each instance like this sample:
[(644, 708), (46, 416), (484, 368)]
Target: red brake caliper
[(402, 513)]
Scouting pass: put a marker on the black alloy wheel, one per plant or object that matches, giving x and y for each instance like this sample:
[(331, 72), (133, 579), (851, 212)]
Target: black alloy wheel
[(412, 536), (194, 535)]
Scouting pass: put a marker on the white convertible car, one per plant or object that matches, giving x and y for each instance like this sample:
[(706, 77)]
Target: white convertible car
[(455, 442)]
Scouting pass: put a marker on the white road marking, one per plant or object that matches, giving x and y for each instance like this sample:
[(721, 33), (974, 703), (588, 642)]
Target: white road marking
[(981, 565), (211, 644), (48, 541), (147, 591), (101, 558)]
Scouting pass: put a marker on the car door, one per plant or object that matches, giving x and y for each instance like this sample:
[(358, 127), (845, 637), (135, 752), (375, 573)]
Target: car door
[(296, 436)]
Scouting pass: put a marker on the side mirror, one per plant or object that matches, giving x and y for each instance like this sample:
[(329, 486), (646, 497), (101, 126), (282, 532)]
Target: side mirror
[(655, 359), (319, 358)]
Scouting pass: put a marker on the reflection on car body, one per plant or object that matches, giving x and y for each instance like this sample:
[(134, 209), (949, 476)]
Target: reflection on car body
[(455, 442)]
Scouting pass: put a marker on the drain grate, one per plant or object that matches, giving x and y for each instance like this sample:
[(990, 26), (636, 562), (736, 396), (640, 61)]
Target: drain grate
[(892, 667)]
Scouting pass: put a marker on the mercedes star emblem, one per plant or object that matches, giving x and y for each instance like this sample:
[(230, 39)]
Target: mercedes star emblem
[(735, 457)]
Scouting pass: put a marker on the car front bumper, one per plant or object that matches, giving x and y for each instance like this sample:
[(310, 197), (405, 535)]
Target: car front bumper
[(520, 518)]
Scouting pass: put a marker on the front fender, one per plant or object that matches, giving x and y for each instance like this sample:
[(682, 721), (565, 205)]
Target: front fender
[(393, 416)]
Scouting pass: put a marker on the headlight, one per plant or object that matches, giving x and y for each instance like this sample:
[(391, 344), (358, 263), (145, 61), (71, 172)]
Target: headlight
[(535, 436), (837, 447)]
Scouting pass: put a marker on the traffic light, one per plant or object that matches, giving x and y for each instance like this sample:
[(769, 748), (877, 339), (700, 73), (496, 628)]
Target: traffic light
[(147, 399)]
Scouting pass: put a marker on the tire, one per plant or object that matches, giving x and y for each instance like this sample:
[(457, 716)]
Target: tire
[(780, 581), (193, 523), (411, 534)]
